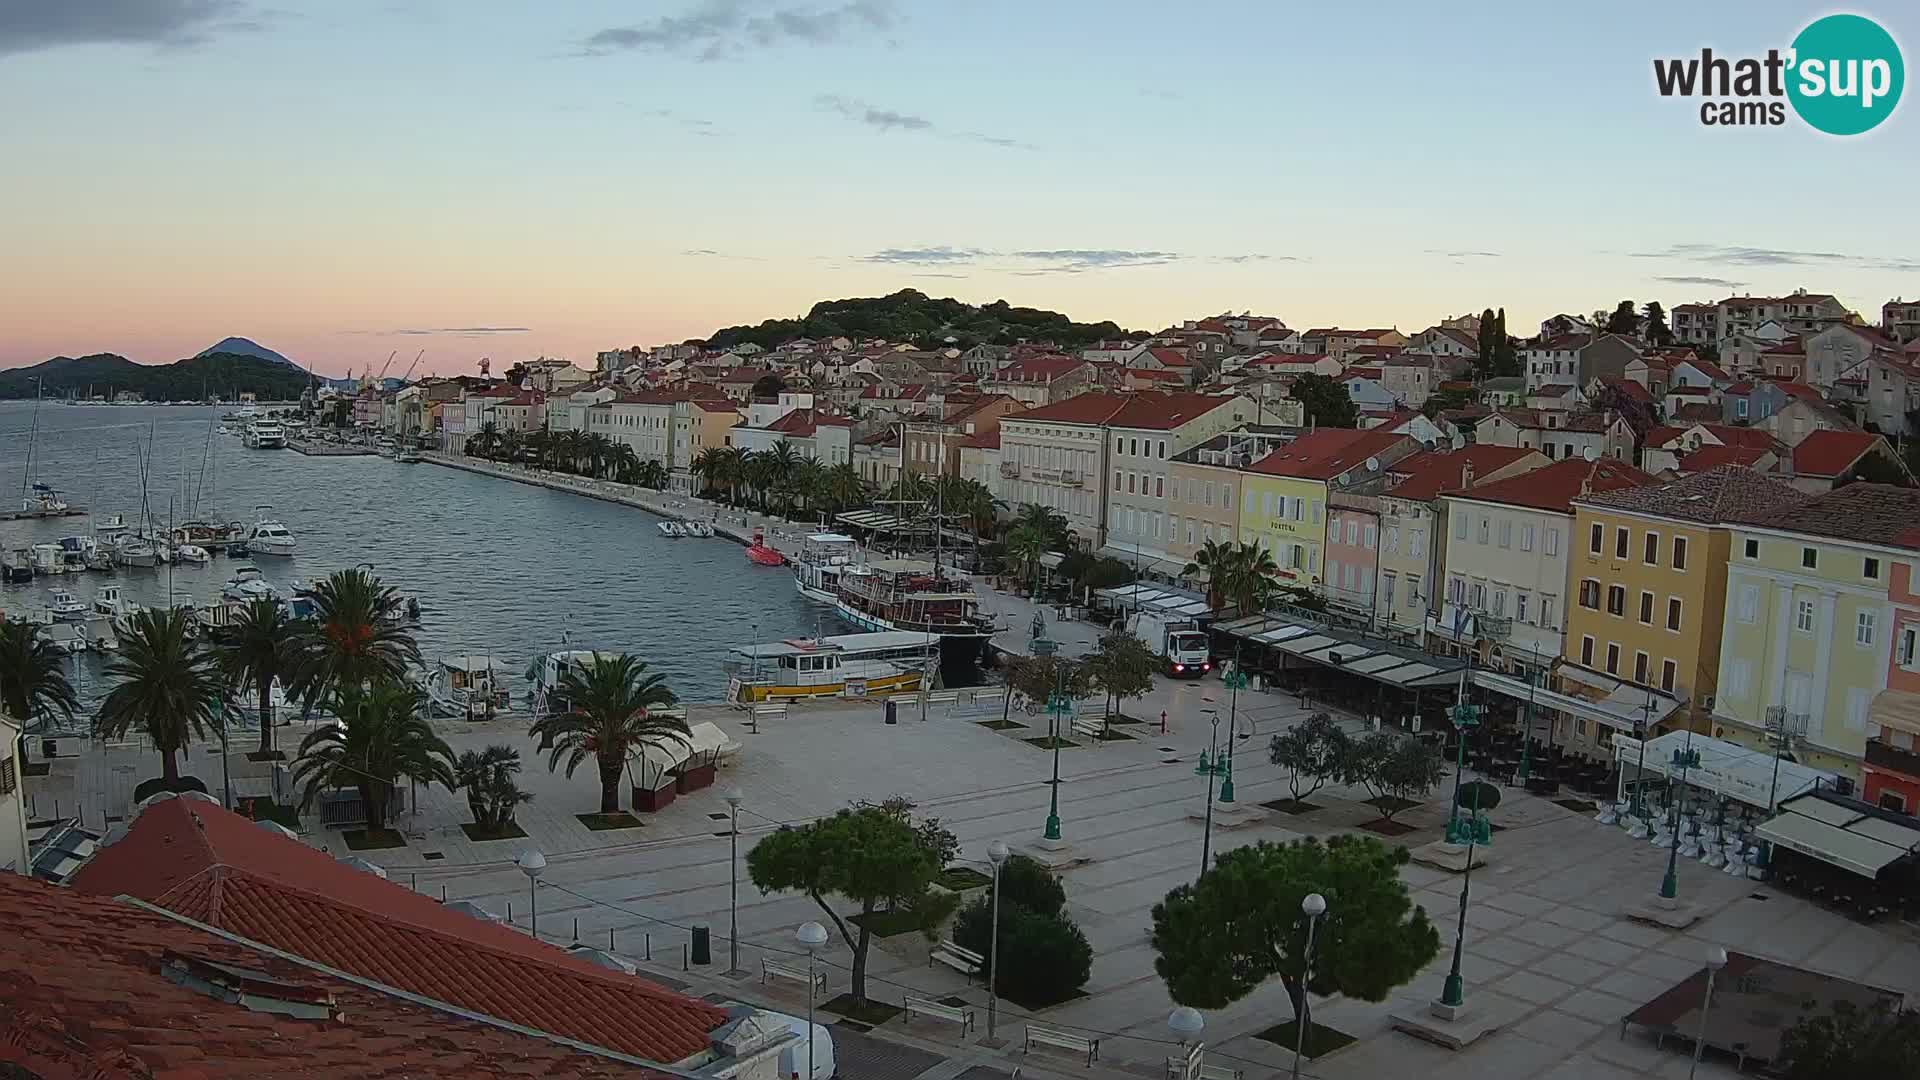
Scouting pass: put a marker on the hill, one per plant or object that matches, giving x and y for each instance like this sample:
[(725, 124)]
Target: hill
[(239, 346), (909, 315), (192, 379)]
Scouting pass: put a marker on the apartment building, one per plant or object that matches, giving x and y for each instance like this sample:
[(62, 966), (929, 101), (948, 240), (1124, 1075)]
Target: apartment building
[(1203, 485), (1900, 319), (1891, 773), (1041, 380), (1283, 499), (1143, 437), (699, 425), (1056, 456), (933, 441)]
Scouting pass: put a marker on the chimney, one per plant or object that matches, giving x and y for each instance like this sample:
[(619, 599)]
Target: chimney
[(1466, 473)]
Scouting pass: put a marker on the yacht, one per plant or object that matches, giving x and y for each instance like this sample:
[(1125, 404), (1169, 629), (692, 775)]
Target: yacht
[(16, 565), (48, 559), (140, 551), (43, 501), (407, 455), (472, 687), (111, 532), (247, 583), (849, 665), (702, 529), (671, 528), (107, 604), (270, 537), (192, 554), (816, 570), (266, 434), (65, 606)]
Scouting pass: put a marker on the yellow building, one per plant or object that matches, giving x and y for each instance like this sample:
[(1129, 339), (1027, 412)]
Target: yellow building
[(1648, 577), (1283, 503)]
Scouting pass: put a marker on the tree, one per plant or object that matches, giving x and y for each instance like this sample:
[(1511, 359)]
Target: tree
[(1214, 560), (1312, 751), (1327, 402), (1638, 413), (1506, 355), (1489, 347), (1445, 401), (1657, 331), (380, 738), (1051, 524), (1365, 758), (1623, 320), (166, 686), (487, 778), (769, 386), (1025, 546), (1122, 667), (1044, 956), (33, 681), (612, 718), (1036, 677), (1879, 1041), (934, 836), (357, 635), (867, 855), (1240, 925), (1406, 773), (254, 651)]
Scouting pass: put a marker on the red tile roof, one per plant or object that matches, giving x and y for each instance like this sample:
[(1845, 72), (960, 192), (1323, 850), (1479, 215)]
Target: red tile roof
[(1831, 453), (1628, 387), (193, 858), (1092, 407), (1556, 486), (1166, 375), (1164, 412), (1171, 357), (1696, 412), (1327, 452), (1040, 368), (1726, 434), (1867, 513), (985, 440), (1712, 457), (83, 993), (1430, 473)]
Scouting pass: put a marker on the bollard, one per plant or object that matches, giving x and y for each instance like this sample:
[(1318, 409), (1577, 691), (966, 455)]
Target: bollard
[(683, 957), (576, 929), (1163, 721), (609, 939), (413, 882), (649, 946), (509, 911), (443, 894)]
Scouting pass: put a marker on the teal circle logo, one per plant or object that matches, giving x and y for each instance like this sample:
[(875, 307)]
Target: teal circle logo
[(1847, 74)]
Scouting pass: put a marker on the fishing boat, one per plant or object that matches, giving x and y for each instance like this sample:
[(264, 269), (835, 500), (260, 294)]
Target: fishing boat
[(108, 604), (760, 554), (671, 528), (48, 559), (918, 596), (816, 570), (192, 554), (473, 687), (265, 434), (269, 537), (847, 665), (247, 583), (16, 566), (65, 606)]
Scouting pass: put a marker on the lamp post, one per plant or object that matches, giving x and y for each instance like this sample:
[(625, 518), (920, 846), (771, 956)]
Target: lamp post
[(1059, 708), (1465, 718), (1313, 905), (1641, 730), (1783, 728), (1526, 732), (733, 882), (1212, 764), (1234, 680), (532, 864), (997, 855), (1716, 959), (1475, 830), (1683, 760), (812, 936), (1187, 1024)]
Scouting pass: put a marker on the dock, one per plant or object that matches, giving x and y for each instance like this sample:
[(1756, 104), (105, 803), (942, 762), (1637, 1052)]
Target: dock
[(314, 449), (34, 515)]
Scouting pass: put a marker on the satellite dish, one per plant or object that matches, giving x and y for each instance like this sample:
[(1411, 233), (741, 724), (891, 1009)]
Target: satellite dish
[(1373, 464), (1589, 453)]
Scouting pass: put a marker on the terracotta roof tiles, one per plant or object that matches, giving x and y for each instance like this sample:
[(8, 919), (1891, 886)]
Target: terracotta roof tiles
[(1326, 453), (1716, 496), (1555, 487), (1867, 513), (1830, 453)]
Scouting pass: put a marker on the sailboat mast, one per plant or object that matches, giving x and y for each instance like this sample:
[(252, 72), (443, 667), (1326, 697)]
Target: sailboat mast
[(33, 432)]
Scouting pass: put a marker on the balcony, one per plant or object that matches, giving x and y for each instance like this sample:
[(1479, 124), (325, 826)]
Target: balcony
[(1010, 470), (1880, 755)]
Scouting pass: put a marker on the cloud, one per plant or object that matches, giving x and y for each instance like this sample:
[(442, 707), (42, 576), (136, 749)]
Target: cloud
[(461, 331), (695, 124), (1739, 255), (710, 253), (1037, 262), (1689, 279), (30, 25), (1464, 254), (725, 29), (893, 120)]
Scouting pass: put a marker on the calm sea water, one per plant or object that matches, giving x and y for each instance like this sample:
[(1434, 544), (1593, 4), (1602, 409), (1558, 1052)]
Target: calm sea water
[(499, 567)]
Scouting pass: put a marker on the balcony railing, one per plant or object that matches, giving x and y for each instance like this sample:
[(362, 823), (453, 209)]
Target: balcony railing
[(1881, 755), (1010, 470)]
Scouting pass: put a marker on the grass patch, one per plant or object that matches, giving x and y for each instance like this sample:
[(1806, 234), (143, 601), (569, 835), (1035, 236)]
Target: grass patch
[(1115, 736), (1019, 996), (609, 822), (1292, 806), (509, 831), (961, 878), (1049, 742), (268, 810), (1388, 828), (1387, 804), (1001, 725), (872, 1012), (373, 839), (1321, 1039), (888, 923)]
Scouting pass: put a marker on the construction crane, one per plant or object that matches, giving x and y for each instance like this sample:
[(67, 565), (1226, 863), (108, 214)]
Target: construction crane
[(410, 367), (385, 366)]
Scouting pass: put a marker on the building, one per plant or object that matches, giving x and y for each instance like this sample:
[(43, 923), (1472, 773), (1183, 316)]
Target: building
[(642, 421), (1891, 772), (699, 425), (1900, 319), (14, 854), (876, 457), (1823, 459), (1056, 456), (1142, 438), (1893, 393), (1810, 628), (1675, 448), (1800, 313), (1559, 435), (1203, 485), (933, 442), (978, 459), (1041, 380), (1283, 504)]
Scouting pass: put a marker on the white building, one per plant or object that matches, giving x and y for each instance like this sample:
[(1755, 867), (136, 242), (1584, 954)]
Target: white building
[(1055, 456), (13, 803), (1140, 439)]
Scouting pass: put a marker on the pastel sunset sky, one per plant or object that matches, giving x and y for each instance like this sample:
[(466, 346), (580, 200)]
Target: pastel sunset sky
[(338, 180)]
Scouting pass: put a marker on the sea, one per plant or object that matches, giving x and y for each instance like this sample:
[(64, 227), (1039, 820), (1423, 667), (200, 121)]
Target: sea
[(500, 569)]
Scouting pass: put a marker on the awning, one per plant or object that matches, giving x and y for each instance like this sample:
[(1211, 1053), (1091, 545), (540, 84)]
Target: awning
[(1897, 709), (878, 522), (1374, 658), (1725, 768), (704, 739), (1143, 562), (1622, 707), (1840, 835)]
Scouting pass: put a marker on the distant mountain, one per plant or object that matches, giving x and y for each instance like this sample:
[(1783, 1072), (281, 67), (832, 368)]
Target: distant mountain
[(910, 315), (221, 375), (239, 346)]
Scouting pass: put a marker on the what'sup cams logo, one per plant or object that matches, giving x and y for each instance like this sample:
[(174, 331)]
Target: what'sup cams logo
[(1842, 75)]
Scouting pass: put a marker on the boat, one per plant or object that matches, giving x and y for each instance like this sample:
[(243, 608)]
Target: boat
[(549, 671), (269, 537), (760, 554), (816, 570), (701, 529), (407, 456), (141, 552), (65, 606), (43, 501), (473, 687), (111, 532), (78, 553), (16, 565), (247, 583), (847, 665), (107, 603), (206, 534), (671, 528), (192, 554), (48, 559), (919, 596), (266, 434)]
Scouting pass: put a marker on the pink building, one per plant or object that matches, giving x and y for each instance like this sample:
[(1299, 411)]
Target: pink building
[(1891, 773), (1352, 554)]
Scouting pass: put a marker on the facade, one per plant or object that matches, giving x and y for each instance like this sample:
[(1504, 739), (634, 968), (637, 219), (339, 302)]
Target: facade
[(13, 803), (1142, 439), (1900, 319), (1283, 501), (1893, 393), (1559, 435), (978, 459), (1203, 486), (933, 443), (698, 426), (1810, 627), (1891, 774), (1041, 380), (1056, 456)]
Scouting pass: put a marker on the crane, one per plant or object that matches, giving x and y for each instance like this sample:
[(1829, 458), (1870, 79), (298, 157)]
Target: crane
[(385, 366), (410, 367)]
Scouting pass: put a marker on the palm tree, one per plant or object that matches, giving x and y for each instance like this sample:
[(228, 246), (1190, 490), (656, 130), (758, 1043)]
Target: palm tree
[(487, 778), (782, 458), (166, 686), (1025, 546), (761, 472), (32, 682), (357, 635), (540, 445), (380, 738), (649, 474), (597, 449), (1215, 559), (1050, 523), (566, 451), (253, 651), (841, 489), (1252, 583), (805, 480), (612, 717), (706, 465)]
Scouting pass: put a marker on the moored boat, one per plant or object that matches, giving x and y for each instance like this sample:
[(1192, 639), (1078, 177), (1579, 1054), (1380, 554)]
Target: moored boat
[(16, 565), (671, 528), (473, 687), (918, 596), (247, 583), (816, 570), (847, 665), (269, 536), (760, 554), (192, 554), (65, 606)]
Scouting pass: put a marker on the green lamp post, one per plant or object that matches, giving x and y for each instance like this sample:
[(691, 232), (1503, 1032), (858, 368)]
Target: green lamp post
[(1472, 830), (1526, 732), (1059, 708), (1465, 718), (1213, 763), (1683, 760), (1234, 680)]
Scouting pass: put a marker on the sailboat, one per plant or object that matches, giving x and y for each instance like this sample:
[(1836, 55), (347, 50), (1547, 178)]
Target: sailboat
[(38, 499)]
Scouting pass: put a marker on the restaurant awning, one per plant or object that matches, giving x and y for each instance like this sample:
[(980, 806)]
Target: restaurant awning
[(878, 522), (1376, 659), (1619, 705), (1840, 834), (1725, 768), (1897, 709)]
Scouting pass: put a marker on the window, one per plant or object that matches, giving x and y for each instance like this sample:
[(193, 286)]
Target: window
[(1553, 540), (1650, 552), (1460, 527), (1668, 670), (1590, 594), (1619, 543), (1485, 523), (1333, 571), (1809, 558), (1870, 570), (1369, 537), (1132, 478), (1393, 539), (1159, 486), (1858, 702), (1749, 603), (1316, 512), (1546, 613), (1673, 613), (1353, 532), (1246, 500), (1586, 651), (1133, 447), (1640, 668), (1646, 608), (1803, 617), (1613, 659), (1863, 628), (1679, 553), (1526, 537), (1479, 596), (1299, 508), (1506, 534), (1413, 590), (1160, 449), (1456, 591), (1386, 590), (1598, 538), (1753, 549), (1908, 652), (1520, 607), (1116, 479), (1416, 542), (1740, 675), (1616, 600)]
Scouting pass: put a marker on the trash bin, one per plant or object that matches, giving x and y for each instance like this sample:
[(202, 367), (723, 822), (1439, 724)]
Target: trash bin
[(893, 716), (702, 945)]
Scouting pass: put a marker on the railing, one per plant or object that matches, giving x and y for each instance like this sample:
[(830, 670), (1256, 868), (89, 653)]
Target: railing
[(1010, 470), (1893, 758)]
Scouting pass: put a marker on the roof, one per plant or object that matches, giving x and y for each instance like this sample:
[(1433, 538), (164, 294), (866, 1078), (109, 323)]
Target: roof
[(1164, 412), (1326, 453), (1157, 375), (203, 862), (1830, 453), (1628, 387), (1093, 407), (1710, 457), (1696, 412), (1171, 357), (1708, 368), (984, 440), (1556, 486), (107, 1009), (1040, 368), (1430, 473), (1727, 493), (1866, 513)]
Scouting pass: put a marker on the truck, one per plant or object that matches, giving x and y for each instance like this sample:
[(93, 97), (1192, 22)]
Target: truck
[(1182, 641)]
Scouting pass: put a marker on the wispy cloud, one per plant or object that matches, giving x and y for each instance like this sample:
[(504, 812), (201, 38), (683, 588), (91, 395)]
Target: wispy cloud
[(885, 120), (725, 29), (31, 25), (1740, 255), (457, 331), (1464, 254), (1691, 279), (710, 253), (1035, 262), (695, 124)]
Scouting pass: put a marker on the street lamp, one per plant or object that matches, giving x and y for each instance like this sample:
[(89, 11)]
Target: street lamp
[(1716, 959), (1465, 718), (1212, 764), (1313, 905), (1059, 708), (997, 855), (1474, 829), (1234, 680), (733, 882), (812, 936), (1526, 734), (1187, 1024), (1683, 760), (533, 864)]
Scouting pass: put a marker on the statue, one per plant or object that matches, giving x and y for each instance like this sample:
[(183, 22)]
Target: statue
[(1039, 625)]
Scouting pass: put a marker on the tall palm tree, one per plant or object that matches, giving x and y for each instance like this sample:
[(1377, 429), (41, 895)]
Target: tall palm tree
[(357, 635), (254, 651), (566, 450), (380, 738), (1025, 546), (1215, 560), (782, 458), (33, 684), (706, 467), (841, 489), (804, 481), (1252, 583), (1051, 524), (612, 698), (166, 686), (649, 474)]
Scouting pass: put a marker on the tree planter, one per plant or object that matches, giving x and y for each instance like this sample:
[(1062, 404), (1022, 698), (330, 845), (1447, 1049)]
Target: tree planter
[(652, 801), (688, 780)]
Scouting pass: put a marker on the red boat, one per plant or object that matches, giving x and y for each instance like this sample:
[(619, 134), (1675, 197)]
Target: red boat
[(760, 554)]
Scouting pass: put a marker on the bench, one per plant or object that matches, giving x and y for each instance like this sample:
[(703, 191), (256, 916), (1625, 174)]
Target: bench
[(776, 713), (965, 961), (772, 970), (1063, 1040), (942, 697), (919, 1006), (1089, 727)]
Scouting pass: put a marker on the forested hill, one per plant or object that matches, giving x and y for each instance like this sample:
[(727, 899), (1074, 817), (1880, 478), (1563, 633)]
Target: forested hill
[(913, 316), (193, 379)]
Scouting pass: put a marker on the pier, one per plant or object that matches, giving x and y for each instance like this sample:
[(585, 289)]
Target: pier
[(35, 515)]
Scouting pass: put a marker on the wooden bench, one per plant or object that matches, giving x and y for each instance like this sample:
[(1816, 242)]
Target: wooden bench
[(965, 961), (776, 713), (958, 1014), (771, 970), (1063, 1040), (1089, 727)]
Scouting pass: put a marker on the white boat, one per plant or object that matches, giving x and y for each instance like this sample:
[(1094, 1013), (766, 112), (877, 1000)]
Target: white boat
[(111, 532), (48, 559), (193, 554), (698, 528), (270, 537), (407, 457), (473, 687), (65, 606), (849, 665), (107, 604), (140, 551), (266, 434), (247, 583), (547, 673), (43, 501), (671, 528), (822, 559)]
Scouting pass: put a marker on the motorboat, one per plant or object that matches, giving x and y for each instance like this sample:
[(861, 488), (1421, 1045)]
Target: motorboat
[(847, 665), (43, 501), (671, 528), (247, 583), (141, 551), (16, 565), (407, 456), (549, 671), (270, 537), (66, 607), (48, 558), (239, 549), (108, 604), (75, 552), (701, 529), (192, 554), (472, 687), (816, 570), (759, 554), (111, 532), (266, 434)]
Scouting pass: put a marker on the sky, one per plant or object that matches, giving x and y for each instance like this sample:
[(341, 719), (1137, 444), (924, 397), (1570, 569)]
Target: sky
[(343, 180)]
